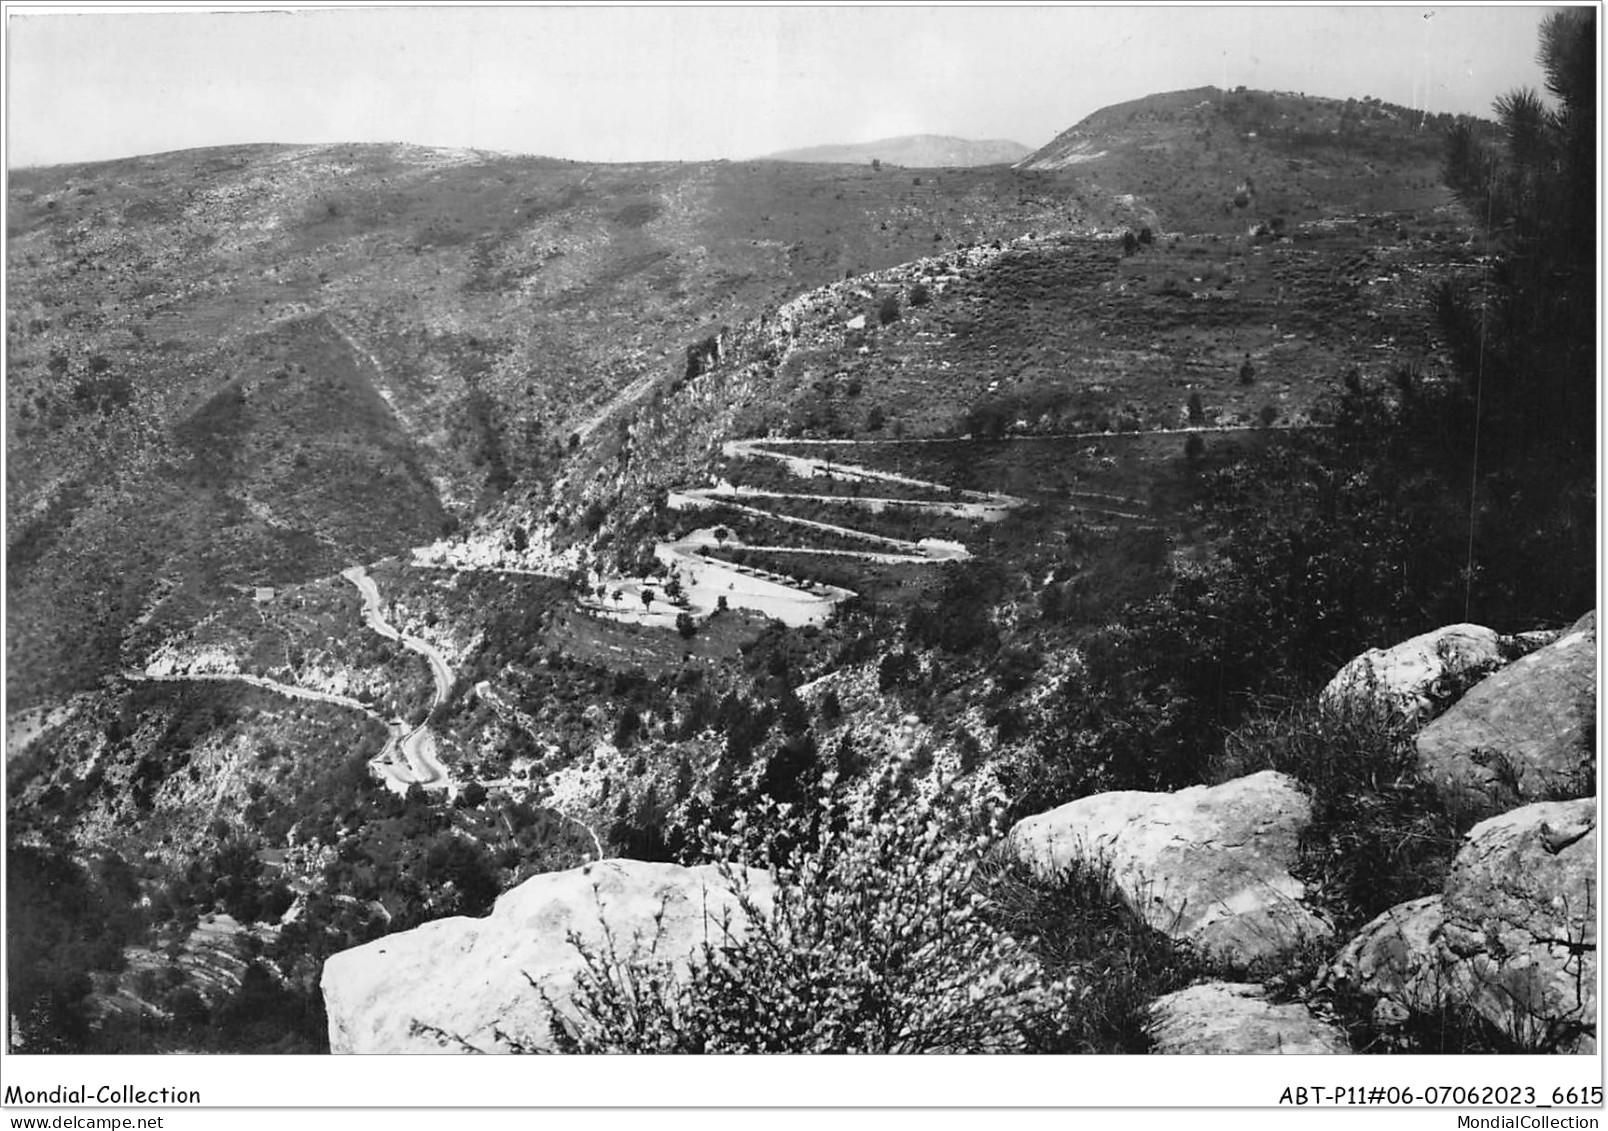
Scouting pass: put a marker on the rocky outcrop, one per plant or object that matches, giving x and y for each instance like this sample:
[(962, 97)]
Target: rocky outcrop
[(1513, 936), (1226, 1017), (1418, 678), (460, 984), (1209, 864), (1526, 733)]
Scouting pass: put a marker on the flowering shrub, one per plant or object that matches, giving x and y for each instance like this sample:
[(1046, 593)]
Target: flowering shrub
[(877, 940)]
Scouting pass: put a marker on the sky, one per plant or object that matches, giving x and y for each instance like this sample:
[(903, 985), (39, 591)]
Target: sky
[(610, 83)]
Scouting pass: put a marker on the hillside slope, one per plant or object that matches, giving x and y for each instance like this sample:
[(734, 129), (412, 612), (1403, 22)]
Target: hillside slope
[(256, 365), (1207, 158)]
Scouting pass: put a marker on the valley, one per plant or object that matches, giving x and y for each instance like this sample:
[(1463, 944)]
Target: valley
[(680, 491)]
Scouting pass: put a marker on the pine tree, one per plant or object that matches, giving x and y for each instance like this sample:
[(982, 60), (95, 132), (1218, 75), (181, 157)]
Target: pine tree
[(1522, 432), (1528, 346)]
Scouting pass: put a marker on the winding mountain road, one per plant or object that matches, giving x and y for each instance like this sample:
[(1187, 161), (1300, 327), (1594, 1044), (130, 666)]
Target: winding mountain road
[(385, 762), (417, 745), (988, 506), (709, 581), (926, 550), (418, 764), (979, 506), (289, 690)]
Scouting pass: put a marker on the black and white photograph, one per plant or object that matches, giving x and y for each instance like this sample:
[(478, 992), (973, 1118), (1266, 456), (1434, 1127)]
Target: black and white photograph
[(1036, 531)]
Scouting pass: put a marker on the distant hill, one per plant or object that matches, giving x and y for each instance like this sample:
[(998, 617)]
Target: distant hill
[(919, 151), (1210, 159)]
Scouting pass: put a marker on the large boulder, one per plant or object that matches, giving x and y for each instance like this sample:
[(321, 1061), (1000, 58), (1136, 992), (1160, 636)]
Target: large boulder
[(1526, 733), (1208, 864), (1513, 936), (457, 985), (1520, 932), (1227, 1017), (1418, 678), (1394, 960)]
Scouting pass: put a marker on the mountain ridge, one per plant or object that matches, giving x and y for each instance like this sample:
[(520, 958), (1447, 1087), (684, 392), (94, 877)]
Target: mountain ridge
[(912, 151)]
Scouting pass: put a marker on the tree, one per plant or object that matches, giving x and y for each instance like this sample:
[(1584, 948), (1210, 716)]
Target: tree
[(896, 670), (1520, 434), (1197, 411), (831, 705), (1247, 371), (1530, 351), (888, 310), (686, 626), (62, 925), (702, 356), (647, 598)]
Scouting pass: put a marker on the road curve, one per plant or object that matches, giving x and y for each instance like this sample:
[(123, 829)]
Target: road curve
[(417, 745), (384, 763), (289, 690)]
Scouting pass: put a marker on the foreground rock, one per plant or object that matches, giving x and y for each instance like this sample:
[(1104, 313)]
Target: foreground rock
[(1209, 864), (1225, 1017), (1526, 733), (1521, 921), (1514, 937), (461, 984), (1418, 678), (1394, 960)]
